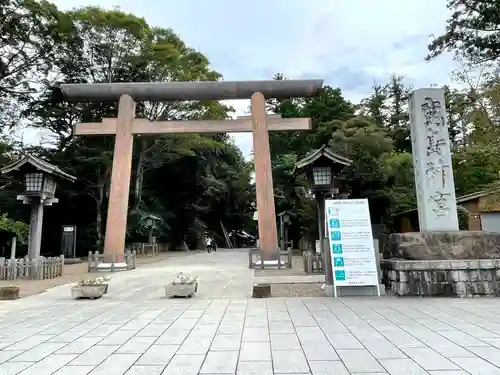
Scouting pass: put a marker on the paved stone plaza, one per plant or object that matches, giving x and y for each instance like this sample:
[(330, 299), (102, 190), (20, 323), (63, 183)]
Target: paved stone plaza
[(133, 330)]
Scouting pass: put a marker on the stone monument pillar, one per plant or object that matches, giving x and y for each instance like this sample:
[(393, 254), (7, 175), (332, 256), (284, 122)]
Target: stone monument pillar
[(435, 187)]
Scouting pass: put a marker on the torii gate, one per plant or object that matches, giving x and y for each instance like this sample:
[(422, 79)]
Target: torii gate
[(125, 126)]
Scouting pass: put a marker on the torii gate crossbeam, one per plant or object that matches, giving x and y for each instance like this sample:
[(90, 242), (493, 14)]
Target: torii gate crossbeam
[(125, 126)]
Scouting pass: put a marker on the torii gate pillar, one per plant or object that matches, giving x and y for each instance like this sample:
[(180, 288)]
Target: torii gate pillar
[(125, 126)]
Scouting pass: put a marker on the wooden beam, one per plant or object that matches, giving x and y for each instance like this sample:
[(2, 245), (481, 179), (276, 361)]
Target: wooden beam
[(240, 125), (116, 223), (268, 237)]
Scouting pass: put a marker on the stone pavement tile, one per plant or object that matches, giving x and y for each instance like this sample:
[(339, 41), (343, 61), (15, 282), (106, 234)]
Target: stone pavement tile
[(158, 355), (328, 368), (255, 368), (195, 345), (278, 316), (136, 324), (39, 352), (115, 364), (79, 346), (383, 349), (207, 330), (343, 341), (490, 353), (94, 356), (255, 351), (457, 372), (289, 361), (477, 366), (435, 325), (306, 334), (333, 327), (452, 350), (136, 345), (13, 368), (230, 328), (359, 360), (117, 338), (103, 330), (5, 344), (281, 327), (220, 362), (493, 341), (303, 321), (284, 341), (6, 355), (68, 336), (184, 365), (210, 319), (172, 337), (192, 314), (475, 330), (402, 367), (30, 342), (383, 325), (226, 342), (48, 365), (255, 334), (74, 370), (429, 359), (319, 351), (145, 370), (256, 322), (462, 338), (233, 317)]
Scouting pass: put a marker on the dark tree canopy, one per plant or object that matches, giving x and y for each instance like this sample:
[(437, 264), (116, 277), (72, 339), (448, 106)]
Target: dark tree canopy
[(472, 31)]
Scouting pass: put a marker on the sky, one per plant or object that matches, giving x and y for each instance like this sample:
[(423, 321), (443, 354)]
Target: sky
[(351, 44)]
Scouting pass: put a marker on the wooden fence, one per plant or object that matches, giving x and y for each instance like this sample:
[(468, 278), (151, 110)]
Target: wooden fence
[(255, 261), (313, 262), (31, 269), (96, 258)]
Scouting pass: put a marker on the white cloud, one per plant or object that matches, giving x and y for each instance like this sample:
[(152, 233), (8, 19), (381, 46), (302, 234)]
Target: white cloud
[(349, 43)]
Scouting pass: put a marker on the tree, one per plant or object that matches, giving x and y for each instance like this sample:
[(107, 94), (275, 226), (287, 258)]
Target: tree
[(472, 31)]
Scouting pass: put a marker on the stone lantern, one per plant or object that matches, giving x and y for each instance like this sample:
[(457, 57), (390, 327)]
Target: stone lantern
[(321, 167), (40, 180)]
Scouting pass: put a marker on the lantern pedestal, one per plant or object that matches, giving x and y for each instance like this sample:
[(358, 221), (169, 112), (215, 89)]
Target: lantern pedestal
[(36, 221)]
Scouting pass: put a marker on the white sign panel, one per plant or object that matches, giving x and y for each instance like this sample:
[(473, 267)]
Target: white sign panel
[(351, 242)]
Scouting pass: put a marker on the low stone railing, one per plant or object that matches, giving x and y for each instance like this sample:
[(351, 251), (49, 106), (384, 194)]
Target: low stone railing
[(96, 260), (284, 256), (462, 278)]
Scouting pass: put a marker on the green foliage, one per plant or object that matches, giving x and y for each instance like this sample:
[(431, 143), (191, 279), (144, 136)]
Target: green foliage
[(463, 218), (471, 31), (17, 228)]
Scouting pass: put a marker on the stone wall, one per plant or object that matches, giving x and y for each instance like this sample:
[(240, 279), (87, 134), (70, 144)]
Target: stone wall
[(461, 278), (443, 245)]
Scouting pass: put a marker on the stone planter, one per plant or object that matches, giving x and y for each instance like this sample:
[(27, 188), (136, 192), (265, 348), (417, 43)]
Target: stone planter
[(186, 290), (88, 291), (105, 288), (9, 293)]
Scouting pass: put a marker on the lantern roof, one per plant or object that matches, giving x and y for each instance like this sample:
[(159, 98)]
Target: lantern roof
[(322, 152), (28, 161)]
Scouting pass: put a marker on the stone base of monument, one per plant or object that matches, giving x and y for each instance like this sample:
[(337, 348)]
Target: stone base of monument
[(455, 263)]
